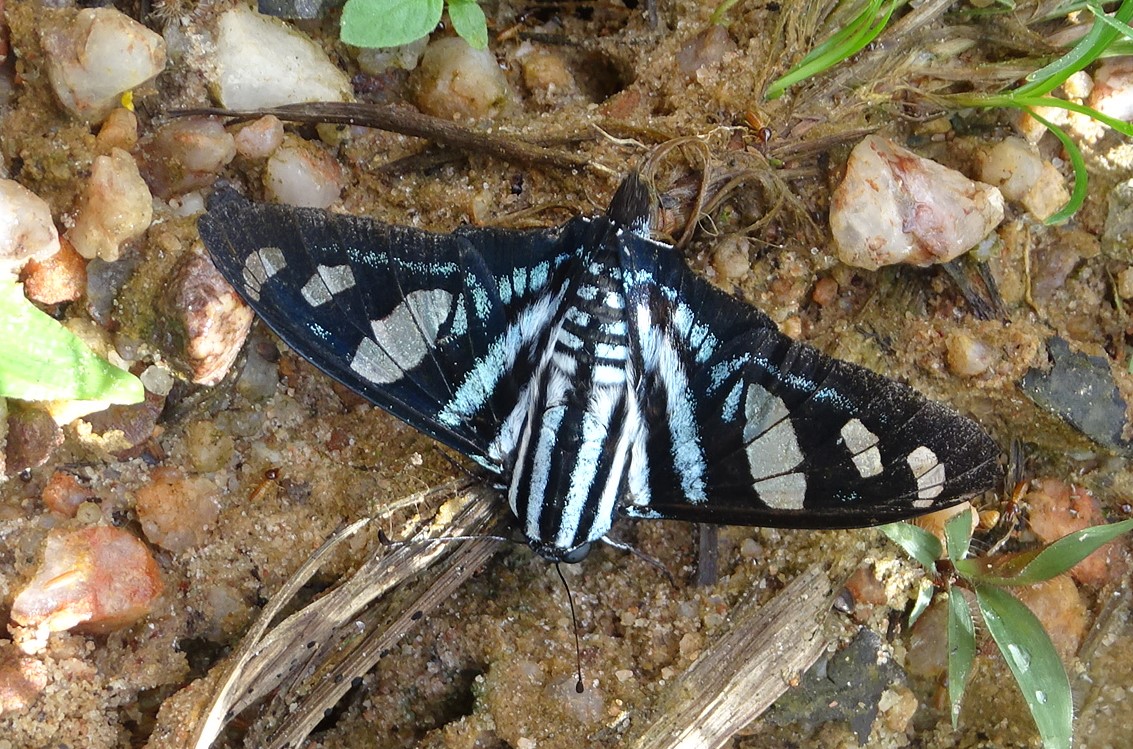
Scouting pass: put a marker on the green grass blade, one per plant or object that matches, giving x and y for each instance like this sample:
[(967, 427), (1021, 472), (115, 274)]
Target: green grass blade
[(1100, 15), (925, 592), (958, 535), (961, 650), (843, 45), (1088, 49), (40, 360), (389, 23), (1081, 177), (916, 541), (1033, 661)]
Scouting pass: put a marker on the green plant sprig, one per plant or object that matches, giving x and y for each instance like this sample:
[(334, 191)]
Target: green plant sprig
[(392, 23), (844, 44), (40, 360), (1020, 637)]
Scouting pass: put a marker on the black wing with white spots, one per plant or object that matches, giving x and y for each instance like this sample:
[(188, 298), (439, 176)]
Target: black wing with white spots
[(438, 329), (747, 426), (595, 373)]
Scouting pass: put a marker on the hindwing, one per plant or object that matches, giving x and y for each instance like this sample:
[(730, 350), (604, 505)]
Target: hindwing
[(747, 426)]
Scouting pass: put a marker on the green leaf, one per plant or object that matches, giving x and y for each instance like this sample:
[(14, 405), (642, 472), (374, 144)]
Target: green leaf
[(389, 23), (958, 535), (1060, 556), (916, 541), (925, 592), (40, 360), (1032, 659), (469, 22), (961, 650)]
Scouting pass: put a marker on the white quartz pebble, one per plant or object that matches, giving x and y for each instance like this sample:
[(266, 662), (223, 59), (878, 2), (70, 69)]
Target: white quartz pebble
[(455, 81), (894, 206), (262, 62), (300, 174), (27, 231), (97, 56), (116, 207)]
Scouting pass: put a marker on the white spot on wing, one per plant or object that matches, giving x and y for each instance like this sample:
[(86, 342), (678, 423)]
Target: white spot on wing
[(862, 445), (928, 471), (260, 266), (785, 492), (772, 447), (326, 282), (402, 338)]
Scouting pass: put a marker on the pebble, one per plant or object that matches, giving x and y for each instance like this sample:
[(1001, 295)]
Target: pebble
[(96, 56), (896, 207), (1059, 607), (32, 437), (456, 82), (704, 49), (1023, 176), (119, 130), (125, 430), (934, 522), (376, 61), (63, 494), (116, 208), (60, 278), (927, 653), (262, 62), (185, 155), (968, 356), (259, 138), (1057, 509), (730, 258), (546, 74), (205, 321), (99, 578), (27, 231), (299, 173), (177, 511), (1117, 234), (22, 680), (1112, 93)]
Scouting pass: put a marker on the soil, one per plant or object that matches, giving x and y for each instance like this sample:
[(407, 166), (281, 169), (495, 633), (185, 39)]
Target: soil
[(494, 664)]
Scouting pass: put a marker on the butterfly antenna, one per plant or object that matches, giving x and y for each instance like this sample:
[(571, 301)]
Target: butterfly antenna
[(651, 561), (574, 621)]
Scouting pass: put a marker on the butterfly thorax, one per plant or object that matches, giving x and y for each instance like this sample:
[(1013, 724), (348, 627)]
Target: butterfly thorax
[(582, 419)]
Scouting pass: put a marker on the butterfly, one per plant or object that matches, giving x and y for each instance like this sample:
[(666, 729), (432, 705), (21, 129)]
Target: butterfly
[(594, 374)]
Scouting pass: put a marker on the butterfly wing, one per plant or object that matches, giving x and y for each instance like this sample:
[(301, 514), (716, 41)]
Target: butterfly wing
[(746, 426), (437, 329)]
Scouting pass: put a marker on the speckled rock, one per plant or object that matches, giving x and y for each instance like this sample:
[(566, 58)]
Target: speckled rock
[(894, 206), (263, 62), (27, 231), (100, 578), (456, 82), (32, 436), (177, 511), (98, 55), (204, 321), (22, 680), (117, 207), (185, 155)]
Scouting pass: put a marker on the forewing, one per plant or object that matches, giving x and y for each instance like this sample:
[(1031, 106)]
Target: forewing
[(746, 426), (437, 329)]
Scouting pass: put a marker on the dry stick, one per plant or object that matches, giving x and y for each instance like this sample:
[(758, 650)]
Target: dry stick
[(268, 655), (411, 122), (745, 670)]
